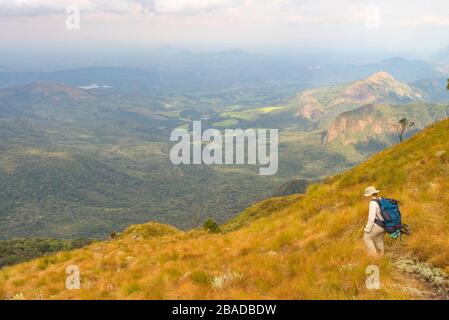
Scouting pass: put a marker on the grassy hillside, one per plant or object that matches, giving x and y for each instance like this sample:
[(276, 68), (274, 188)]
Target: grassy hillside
[(308, 247)]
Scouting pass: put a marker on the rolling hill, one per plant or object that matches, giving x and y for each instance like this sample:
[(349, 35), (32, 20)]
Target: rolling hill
[(294, 247), (441, 56), (433, 89)]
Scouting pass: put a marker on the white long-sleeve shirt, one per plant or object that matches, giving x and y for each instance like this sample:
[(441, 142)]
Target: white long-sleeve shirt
[(374, 212)]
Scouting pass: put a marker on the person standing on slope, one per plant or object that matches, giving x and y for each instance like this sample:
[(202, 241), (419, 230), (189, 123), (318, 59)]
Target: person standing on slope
[(374, 234)]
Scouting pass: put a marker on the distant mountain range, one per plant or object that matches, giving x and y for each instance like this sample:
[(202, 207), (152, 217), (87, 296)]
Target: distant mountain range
[(441, 56), (185, 71), (433, 89)]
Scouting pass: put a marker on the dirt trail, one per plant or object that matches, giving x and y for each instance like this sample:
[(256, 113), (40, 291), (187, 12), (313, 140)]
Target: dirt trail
[(434, 282)]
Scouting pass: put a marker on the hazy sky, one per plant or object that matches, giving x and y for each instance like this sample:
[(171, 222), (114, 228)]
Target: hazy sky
[(395, 25)]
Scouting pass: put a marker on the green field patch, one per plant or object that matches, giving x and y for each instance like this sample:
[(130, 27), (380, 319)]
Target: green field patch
[(226, 123), (251, 114)]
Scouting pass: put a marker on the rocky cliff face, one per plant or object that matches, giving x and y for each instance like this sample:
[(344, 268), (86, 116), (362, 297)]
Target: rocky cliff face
[(309, 107), (368, 121)]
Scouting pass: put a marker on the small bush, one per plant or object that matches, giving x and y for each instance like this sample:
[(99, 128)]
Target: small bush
[(200, 277), (211, 226), (132, 288)]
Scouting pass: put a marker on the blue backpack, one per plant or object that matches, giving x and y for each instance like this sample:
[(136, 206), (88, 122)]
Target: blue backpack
[(392, 223)]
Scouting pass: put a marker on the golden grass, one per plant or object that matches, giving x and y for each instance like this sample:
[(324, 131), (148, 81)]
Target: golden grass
[(147, 231), (308, 248)]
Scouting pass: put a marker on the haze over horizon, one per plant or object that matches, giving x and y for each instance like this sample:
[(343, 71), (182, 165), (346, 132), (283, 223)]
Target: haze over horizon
[(378, 27)]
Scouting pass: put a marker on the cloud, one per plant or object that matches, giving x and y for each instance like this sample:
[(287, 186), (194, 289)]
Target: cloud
[(45, 7), (30, 7), (374, 23), (429, 19), (192, 6), (373, 17), (161, 7)]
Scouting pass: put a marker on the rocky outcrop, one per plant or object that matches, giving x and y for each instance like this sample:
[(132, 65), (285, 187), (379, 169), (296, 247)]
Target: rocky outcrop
[(309, 107), (367, 121)]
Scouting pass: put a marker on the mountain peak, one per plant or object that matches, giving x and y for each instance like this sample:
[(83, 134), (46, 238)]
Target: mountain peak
[(381, 75), (379, 88)]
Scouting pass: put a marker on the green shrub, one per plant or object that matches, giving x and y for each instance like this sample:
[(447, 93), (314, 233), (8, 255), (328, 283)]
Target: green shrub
[(211, 226), (200, 277)]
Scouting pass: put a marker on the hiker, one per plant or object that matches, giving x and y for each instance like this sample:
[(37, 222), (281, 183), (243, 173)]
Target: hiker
[(374, 234)]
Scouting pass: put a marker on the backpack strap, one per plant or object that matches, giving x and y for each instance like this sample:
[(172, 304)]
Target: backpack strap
[(380, 223), (380, 209), (377, 221)]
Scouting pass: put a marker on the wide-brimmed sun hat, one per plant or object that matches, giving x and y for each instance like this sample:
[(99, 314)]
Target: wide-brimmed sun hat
[(370, 191)]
